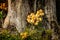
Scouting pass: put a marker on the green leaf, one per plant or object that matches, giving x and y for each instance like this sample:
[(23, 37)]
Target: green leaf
[(1, 16)]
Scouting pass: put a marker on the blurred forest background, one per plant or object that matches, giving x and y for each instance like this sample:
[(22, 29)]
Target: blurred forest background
[(29, 19)]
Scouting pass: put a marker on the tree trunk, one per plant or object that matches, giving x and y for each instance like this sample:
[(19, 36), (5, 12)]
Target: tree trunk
[(50, 11), (17, 12)]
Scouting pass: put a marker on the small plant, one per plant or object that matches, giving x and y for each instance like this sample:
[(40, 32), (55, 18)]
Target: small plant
[(24, 35), (1, 16), (35, 18)]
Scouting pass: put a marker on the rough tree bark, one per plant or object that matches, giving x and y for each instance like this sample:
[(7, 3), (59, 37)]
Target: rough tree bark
[(17, 12), (50, 11)]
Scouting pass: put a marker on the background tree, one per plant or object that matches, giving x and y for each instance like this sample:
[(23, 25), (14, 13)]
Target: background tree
[(17, 12), (50, 11)]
